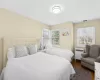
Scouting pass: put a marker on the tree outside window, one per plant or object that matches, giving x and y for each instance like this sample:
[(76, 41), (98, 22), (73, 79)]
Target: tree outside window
[(55, 37)]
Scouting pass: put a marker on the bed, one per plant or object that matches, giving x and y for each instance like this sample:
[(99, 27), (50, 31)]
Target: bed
[(39, 66), (64, 53)]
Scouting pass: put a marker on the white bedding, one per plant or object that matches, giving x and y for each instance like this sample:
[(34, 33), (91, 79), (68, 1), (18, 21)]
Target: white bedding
[(67, 54), (39, 66)]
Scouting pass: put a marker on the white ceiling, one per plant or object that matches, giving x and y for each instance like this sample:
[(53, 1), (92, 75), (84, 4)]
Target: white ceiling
[(74, 10)]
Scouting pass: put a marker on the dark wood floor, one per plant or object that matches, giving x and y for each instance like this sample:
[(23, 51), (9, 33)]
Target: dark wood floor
[(78, 64)]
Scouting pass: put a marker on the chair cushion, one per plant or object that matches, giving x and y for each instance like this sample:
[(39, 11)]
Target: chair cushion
[(94, 51), (89, 60)]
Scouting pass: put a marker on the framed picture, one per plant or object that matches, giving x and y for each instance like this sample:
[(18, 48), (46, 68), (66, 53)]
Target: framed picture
[(85, 36), (65, 32)]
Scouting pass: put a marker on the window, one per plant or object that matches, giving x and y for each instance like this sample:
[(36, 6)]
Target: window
[(46, 33), (85, 36), (45, 38), (55, 37)]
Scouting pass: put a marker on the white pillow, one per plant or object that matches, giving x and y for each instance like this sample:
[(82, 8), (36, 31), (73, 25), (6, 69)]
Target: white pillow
[(21, 51), (11, 53), (48, 45), (32, 49)]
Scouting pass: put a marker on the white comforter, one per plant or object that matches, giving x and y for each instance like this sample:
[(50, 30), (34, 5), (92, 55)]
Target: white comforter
[(39, 66), (64, 53)]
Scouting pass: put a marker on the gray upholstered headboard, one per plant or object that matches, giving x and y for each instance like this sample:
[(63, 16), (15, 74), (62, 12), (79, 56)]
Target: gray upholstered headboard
[(9, 42)]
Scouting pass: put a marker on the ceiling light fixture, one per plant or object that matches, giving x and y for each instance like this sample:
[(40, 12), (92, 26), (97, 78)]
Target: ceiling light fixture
[(56, 9)]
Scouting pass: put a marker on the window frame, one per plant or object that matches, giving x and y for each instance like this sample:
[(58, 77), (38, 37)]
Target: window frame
[(45, 38), (55, 38), (46, 30)]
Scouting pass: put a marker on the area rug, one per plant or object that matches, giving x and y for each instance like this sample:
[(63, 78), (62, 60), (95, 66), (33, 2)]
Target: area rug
[(82, 74)]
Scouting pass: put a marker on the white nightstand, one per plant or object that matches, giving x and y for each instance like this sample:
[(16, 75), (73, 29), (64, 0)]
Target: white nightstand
[(78, 52), (97, 71)]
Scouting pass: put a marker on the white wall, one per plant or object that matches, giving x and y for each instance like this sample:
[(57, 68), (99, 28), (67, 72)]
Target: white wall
[(15, 25), (65, 41), (1, 3)]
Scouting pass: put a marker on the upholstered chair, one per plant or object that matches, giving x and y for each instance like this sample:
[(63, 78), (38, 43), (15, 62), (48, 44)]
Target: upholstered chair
[(91, 55)]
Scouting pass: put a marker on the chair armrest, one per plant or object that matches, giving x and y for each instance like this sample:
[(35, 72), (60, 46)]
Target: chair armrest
[(98, 59), (84, 55)]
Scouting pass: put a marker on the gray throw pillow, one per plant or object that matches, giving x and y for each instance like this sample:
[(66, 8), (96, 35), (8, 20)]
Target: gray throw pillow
[(21, 51), (32, 49)]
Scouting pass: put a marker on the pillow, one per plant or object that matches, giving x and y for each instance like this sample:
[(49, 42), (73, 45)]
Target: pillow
[(48, 45), (11, 53), (21, 51), (32, 49)]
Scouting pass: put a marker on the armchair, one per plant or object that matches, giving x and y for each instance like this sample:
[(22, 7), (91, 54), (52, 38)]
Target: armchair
[(97, 59), (92, 55), (85, 55)]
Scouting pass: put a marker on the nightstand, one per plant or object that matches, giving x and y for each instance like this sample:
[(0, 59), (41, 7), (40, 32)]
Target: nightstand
[(78, 52), (97, 71)]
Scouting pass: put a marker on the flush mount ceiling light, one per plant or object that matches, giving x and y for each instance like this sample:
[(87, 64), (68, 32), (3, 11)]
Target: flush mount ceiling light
[(56, 9)]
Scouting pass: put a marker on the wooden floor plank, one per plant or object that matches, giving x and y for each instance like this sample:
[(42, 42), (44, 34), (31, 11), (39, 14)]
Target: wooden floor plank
[(78, 65)]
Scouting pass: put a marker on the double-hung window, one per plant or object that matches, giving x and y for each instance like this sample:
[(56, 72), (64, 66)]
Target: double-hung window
[(55, 37), (45, 38)]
